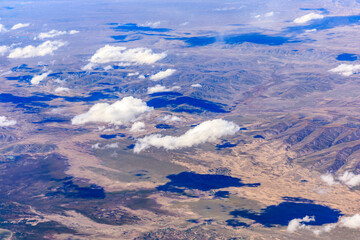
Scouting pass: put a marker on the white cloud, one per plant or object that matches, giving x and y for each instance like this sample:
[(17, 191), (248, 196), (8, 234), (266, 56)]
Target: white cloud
[(208, 131), (297, 223), (350, 179), (350, 222), (137, 127), (141, 76), (328, 178), (311, 30), (20, 25), (43, 49), (159, 88), (346, 69), (3, 50), (133, 74), (269, 14), (170, 118), (72, 32), (308, 17), (106, 146), (2, 28), (162, 74), (38, 78), (124, 56), (62, 89), (151, 24), (197, 85), (4, 122), (128, 109), (54, 33)]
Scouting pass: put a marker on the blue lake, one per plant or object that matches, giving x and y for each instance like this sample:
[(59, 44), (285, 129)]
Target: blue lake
[(257, 38), (327, 23), (133, 27), (203, 182), (259, 136), (283, 213), (186, 104), (225, 145), (163, 126), (236, 223), (222, 194), (347, 57), (111, 136)]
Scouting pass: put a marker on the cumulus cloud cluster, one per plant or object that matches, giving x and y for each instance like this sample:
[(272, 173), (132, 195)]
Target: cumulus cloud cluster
[(308, 17), (30, 51), (298, 223), (196, 85), (38, 78), (4, 122), (159, 88), (62, 89), (2, 28), (170, 118), (137, 127), (127, 110), (352, 222), (20, 25), (54, 33), (348, 178), (208, 131), (3, 50), (162, 74), (124, 56), (346, 69)]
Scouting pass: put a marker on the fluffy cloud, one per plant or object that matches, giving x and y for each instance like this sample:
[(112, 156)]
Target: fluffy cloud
[(124, 56), (43, 49), (121, 112), (3, 50), (328, 178), (151, 24), (346, 69), (20, 25), (54, 33), (350, 222), (162, 74), (4, 122), (62, 89), (308, 17), (170, 118), (197, 85), (159, 88), (38, 78), (348, 178), (2, 28), (208, 131), (137, 127), (298, 223)]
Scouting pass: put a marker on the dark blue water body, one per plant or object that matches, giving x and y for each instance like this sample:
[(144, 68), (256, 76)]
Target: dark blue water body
[(347, 57), (204, 182), (196, 41), (71, 190), (297, 199), (25, 78), (257, 38), (193, 105), (111, 136), (130, 147), (236, 223), (163, 126), (283, 213), (133, 27), (193, 221), (323, 10), (57, 74), (259, 136), (52, 120), (21, 68), (225, 145), (222, 194), (327, 23), (9, 8), (126, 38), (243, 129), (157, 94)]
